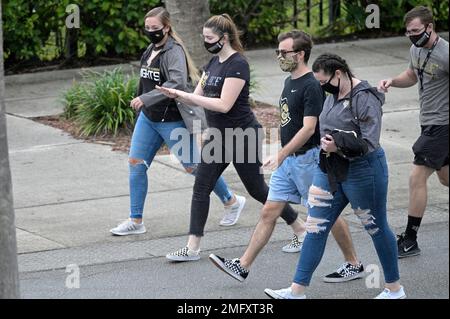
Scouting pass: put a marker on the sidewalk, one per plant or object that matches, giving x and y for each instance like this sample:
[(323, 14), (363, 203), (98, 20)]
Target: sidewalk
[(68, 193)]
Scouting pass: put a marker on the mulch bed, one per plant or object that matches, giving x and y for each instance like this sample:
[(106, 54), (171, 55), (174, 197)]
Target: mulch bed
[(268, 116)]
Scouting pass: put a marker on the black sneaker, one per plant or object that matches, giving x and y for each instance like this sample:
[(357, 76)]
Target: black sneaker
[(230, 266), (407, 247), (345, 273)]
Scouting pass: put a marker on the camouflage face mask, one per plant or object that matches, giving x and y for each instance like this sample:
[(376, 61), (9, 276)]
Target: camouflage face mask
[(287, 64)]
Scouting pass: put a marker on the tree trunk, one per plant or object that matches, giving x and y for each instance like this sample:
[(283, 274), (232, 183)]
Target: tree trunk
[(9, 278), (188, 17)]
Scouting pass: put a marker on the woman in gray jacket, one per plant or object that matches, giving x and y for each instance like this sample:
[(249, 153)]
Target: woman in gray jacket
[(166, 63)]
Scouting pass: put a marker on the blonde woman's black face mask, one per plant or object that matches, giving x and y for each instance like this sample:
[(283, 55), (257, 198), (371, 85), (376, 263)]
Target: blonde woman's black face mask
[(155, 36)]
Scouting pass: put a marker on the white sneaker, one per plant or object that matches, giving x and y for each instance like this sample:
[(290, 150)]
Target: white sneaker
[(184, 254), (233, 212), (295, 245), (128, 227), (387, 294), (285, 293)]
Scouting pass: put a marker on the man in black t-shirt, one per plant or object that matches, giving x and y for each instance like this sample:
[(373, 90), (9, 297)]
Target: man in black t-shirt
[(300, 106)]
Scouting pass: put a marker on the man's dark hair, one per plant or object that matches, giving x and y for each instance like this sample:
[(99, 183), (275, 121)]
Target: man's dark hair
[(423, 13), (302, 41)]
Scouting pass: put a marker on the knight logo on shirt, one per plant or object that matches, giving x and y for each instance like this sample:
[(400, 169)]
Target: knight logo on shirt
[(204, 79), (284, 111), (430, 69), (151, 74)]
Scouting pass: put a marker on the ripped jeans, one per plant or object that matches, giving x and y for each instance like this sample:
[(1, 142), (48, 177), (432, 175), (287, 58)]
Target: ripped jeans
[(366, 191), (148, 136)]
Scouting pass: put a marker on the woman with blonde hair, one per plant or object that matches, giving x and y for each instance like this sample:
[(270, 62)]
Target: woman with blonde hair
[(166, 63)]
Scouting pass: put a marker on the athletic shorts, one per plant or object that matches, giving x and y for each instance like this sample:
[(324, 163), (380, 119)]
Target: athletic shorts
[(431, 148)]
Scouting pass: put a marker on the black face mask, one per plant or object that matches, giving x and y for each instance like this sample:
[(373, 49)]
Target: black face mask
[(155, 36), (420, 40), (214, 47), (330, 88)]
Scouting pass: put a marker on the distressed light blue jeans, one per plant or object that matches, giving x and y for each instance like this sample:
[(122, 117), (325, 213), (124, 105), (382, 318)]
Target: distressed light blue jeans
[(366, 191), (147, 138)]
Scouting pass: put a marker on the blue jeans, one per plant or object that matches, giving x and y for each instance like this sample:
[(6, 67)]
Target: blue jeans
[(366, 191), (147, 139)]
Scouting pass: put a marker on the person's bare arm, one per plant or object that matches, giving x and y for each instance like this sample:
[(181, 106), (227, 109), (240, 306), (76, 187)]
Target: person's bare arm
[(232, 87), (302, 136), (404, 80)]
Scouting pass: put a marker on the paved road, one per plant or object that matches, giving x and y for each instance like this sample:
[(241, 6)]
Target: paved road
[(424, 276)]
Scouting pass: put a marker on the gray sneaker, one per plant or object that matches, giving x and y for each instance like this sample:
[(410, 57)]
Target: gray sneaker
[(184, 254), (295, 245), (233, 212), (128, 227)]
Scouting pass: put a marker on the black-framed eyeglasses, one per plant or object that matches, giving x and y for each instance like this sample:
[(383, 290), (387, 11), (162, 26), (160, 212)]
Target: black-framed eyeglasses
[(284, 52)]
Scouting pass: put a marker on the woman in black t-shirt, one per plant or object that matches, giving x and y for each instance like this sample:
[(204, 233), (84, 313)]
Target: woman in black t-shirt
[(234, 134)]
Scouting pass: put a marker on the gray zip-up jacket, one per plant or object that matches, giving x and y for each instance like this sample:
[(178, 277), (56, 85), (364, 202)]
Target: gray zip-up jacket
[(174, 67), (364, 119)]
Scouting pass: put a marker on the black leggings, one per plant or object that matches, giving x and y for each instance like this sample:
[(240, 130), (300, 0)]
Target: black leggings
[(249, 172)]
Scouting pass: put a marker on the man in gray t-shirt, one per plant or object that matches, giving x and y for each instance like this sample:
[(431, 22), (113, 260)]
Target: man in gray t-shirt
[(428, 68), (433, 91)]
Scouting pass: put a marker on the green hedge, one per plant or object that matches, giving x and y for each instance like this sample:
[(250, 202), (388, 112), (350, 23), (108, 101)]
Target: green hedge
[(34, 31), (108, 29), (391, 16), (260, 24), (27, 27)]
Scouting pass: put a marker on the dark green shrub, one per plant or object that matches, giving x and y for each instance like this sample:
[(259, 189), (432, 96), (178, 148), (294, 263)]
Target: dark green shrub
[(259, 23), (353, 16), (34, 31), (27, 26), (108, 28), (114, 28)]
